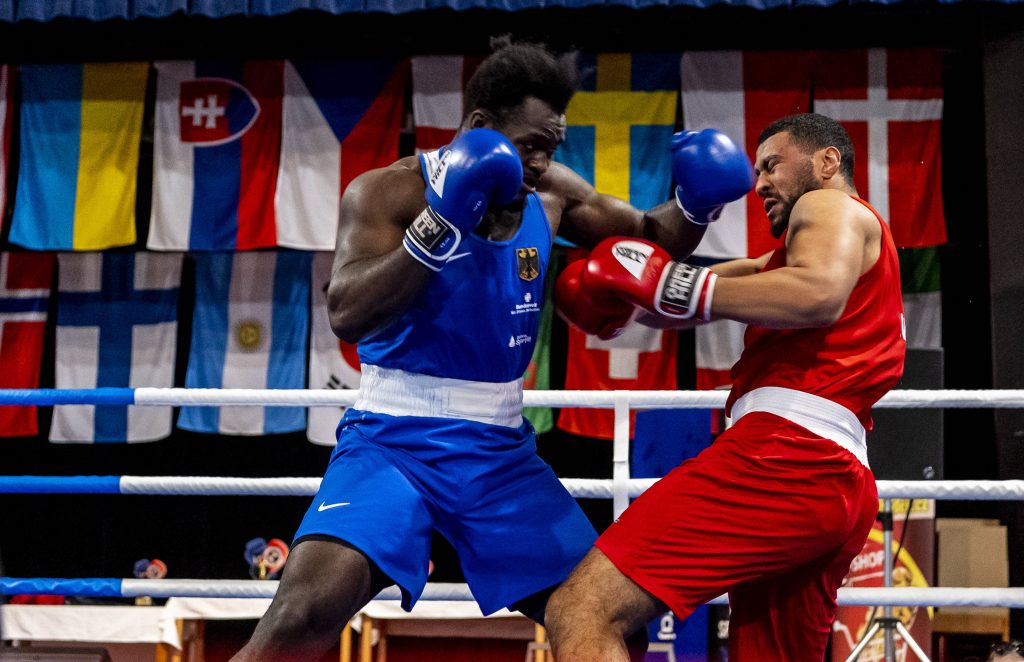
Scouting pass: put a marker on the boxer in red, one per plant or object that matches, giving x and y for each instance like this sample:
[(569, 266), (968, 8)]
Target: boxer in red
[(774, 511)]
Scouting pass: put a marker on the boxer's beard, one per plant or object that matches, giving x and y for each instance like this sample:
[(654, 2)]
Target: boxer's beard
[(805, 181)]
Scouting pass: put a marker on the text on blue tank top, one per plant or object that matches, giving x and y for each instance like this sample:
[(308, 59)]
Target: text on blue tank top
[(477, 318)]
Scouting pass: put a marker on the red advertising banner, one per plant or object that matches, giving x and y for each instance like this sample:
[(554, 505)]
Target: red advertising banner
[(913, 565)]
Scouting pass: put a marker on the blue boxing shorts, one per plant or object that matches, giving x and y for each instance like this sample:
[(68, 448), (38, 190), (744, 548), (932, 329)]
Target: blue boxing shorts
[(392, 480)]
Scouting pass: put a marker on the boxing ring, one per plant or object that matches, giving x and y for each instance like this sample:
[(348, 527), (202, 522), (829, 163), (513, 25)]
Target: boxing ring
[(619, 489)]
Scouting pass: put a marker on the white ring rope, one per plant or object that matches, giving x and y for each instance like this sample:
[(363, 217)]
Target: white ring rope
[(580, 488), (219, 486), (853, 596), (937, 398), (619, 489)]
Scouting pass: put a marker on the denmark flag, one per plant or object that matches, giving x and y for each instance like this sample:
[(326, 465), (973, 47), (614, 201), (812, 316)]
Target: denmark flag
[(890, 102)]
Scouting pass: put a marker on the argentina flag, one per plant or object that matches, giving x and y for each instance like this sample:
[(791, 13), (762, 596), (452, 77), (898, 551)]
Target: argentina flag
[(117, 322), (249, 330)]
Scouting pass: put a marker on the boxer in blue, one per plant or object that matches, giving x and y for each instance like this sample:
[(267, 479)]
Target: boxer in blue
[(438, 276)]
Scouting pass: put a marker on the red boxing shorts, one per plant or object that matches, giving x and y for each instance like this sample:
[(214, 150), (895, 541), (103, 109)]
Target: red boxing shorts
[(771, 514)]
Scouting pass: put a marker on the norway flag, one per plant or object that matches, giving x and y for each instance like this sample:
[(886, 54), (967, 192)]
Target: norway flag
[(217, 140), (25, 280)]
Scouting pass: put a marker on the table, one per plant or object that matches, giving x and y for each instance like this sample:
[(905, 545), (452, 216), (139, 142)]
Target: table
[(434, 618), (134, 628), (176, 628)]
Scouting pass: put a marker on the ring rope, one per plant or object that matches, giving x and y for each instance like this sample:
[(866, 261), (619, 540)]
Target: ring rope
[(243, 588), (581, 488), (211, 397), (616, 489)]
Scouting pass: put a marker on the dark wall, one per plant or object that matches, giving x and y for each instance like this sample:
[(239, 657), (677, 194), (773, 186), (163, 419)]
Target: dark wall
[(1004, 142), (316, 34)]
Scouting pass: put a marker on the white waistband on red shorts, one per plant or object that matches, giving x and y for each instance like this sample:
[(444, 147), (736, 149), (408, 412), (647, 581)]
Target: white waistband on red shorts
[(819, 415), (400, 393)]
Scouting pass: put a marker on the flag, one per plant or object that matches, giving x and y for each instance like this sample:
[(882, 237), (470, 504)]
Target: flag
[(217, 141), (620, 124), (890, 102), (249, 330), (922, 296), (254, 149), (538, 373), (81, 125), (117, 322), (438, 82), (641, 358), (25, 280), (740, 93), (718, 347), (340, 119), (6, 112), (333, 363), (650, 456)]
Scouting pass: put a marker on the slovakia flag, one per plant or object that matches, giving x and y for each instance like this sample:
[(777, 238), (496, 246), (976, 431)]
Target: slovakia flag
[(217, 142), (257, 154)]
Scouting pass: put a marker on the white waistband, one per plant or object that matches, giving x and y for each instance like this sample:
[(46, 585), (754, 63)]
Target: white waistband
[(400, 393), (821, 416)]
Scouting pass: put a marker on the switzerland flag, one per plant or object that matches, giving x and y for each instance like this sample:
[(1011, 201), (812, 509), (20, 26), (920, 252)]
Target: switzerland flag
[(641, 358)]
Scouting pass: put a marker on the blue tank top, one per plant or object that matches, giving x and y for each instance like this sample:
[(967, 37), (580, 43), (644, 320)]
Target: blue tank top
[(478, 317)]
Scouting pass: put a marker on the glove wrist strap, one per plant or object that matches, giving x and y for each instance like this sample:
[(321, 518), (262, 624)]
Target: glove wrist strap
[(431, 239), (704, 216), (685, 291)]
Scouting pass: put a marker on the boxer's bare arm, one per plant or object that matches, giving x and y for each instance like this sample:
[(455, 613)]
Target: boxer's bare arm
[(373, 278), (832, 240), (589, 216), (730, 268)]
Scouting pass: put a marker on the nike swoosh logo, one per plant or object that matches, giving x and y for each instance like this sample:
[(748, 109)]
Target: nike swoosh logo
[(327, 506), (457, 256)]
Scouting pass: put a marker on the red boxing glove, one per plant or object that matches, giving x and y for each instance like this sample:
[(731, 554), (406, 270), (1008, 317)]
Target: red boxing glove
[(590, 309), (644, 274)]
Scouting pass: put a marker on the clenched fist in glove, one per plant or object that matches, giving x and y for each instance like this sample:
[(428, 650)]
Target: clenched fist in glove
[(599, 294), (709, 171)]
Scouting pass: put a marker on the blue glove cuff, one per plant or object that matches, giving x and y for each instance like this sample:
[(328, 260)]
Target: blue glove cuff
[(431, 239), (701, 215)]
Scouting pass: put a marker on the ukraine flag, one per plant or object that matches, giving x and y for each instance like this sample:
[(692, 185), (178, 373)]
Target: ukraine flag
[(81, 125)]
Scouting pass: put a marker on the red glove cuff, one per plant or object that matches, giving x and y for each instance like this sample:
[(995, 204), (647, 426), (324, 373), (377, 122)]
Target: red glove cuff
[(685, 291)]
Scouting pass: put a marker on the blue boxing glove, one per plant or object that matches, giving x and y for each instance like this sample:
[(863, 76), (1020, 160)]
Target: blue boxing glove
[(709, 170), (477, 169)]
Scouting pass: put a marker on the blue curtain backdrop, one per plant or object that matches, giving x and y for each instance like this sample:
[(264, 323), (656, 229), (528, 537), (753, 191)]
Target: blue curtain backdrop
[(102, 10)]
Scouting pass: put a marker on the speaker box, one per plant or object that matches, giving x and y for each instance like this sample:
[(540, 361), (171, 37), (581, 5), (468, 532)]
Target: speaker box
[(907, 444), (44, 654)]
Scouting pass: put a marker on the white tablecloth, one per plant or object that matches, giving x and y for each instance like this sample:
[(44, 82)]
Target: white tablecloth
[(131, 624), (112, 624)]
